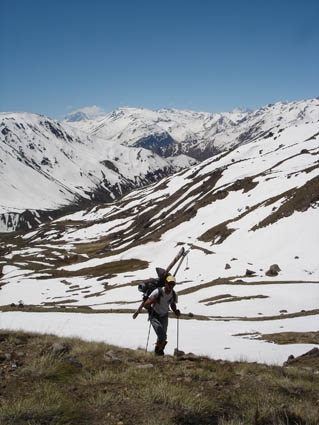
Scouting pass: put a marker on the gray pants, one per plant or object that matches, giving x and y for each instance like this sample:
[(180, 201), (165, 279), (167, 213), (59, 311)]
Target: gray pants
[(160, 327)]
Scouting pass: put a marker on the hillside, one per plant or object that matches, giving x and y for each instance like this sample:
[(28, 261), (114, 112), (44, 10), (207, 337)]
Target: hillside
[(239, 213), (50, 380)]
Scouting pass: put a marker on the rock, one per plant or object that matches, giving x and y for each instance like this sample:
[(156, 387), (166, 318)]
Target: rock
[(283, 311), (111, 354), (227, 266), (60, 348), (250, 273), (190, 314), (190, 356), (74, 361), (274, 269), (145, 366), (178, 353)]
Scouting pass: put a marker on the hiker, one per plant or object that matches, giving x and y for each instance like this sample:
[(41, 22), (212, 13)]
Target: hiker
[(158, 304)]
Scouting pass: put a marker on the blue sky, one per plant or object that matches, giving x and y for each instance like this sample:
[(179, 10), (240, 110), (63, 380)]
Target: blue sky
[(60, 56)]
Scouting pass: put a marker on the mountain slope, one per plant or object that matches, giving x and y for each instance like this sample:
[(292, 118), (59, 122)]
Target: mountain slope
[(239, 213), (48, 166), (198, 134)]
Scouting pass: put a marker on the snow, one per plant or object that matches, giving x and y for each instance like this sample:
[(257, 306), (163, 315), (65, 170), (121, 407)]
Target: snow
[(216, 339), (199, 129)]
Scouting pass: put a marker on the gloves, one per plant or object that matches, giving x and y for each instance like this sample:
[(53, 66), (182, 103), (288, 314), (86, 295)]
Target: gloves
[(177, 313)]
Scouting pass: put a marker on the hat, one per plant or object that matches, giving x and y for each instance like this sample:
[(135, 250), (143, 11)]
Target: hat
[(171, 280)]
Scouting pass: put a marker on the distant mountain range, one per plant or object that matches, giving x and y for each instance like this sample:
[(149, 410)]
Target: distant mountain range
[(196, 134), (49, 168)]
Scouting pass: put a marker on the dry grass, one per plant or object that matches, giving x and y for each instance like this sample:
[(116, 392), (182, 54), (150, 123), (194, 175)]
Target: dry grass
[(96, 384)]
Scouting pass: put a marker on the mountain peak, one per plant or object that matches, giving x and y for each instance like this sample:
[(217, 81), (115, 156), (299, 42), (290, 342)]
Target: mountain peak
[(76, 117)]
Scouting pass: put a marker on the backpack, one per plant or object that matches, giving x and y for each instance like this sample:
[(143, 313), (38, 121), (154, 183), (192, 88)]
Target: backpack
[(148, 287)]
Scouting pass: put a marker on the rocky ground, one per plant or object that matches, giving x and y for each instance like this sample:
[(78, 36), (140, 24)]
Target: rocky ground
[(48, 380)]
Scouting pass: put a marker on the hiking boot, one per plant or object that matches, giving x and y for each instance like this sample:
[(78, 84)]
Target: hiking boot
[(159, 349)]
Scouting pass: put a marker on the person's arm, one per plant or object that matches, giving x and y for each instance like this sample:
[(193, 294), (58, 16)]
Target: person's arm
[(175, 310), (149, 302)]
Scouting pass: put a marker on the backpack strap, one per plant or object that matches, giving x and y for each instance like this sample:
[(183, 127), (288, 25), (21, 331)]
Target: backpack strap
[(174, 297)]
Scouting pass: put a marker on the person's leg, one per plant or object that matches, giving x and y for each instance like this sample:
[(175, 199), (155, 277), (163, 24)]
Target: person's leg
[(160, 327), (164, 321)]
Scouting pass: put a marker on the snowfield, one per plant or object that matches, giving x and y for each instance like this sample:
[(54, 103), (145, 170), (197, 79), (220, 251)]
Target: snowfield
[(216, 339)]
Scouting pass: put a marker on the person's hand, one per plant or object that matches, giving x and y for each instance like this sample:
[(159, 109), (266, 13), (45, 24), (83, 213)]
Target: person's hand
[(177, 313)]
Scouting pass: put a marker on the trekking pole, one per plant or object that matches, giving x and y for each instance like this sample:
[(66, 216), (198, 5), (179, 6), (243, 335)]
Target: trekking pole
[(177, 333), (148, 337)]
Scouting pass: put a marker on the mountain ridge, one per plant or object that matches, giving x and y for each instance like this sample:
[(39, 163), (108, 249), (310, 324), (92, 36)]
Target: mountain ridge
[(199, 134), (67, 165)]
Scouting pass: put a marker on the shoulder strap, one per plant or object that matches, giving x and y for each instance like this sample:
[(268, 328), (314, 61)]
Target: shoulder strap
[(160, 294), (174, 297)]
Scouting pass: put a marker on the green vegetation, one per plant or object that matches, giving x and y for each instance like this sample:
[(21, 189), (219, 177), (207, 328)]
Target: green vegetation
[(96, 384)]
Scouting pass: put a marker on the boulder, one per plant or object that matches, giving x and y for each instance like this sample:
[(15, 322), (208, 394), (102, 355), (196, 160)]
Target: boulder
[(60, 348), (273, 270), (178, 353)]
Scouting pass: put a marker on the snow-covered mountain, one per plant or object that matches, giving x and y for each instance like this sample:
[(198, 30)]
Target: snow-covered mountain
[(47, 166), (198, 134), (239, 213)]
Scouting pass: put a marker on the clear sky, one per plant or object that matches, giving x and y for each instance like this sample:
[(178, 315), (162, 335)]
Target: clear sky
[(58, 56)]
